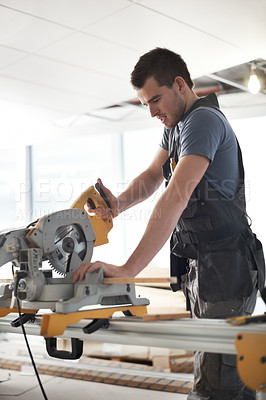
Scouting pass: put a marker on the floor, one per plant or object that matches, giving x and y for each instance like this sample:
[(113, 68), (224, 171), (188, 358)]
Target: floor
[(20, 386)]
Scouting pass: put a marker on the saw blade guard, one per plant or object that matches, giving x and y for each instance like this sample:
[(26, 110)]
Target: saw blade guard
[(66, 237)]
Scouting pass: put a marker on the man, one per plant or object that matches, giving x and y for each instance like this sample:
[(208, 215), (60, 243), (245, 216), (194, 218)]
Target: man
[(216, 257)]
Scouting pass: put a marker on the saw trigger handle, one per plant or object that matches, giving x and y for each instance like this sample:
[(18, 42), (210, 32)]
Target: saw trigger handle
[(94, 196), (101, 192), (74, 354)]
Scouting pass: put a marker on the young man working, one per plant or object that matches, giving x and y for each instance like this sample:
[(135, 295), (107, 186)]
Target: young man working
[(216, 257)]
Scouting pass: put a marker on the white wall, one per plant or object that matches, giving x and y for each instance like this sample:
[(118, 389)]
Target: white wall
[(251, 133)]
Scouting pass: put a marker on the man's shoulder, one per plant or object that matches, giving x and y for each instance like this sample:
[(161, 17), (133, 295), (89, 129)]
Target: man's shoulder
[(203, 119), (205, 112)]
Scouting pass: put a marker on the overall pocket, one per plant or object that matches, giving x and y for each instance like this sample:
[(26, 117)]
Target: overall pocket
[(260, 263), (223, 274)]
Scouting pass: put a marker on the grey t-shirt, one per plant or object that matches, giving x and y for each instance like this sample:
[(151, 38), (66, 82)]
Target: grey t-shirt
[(205, 131)]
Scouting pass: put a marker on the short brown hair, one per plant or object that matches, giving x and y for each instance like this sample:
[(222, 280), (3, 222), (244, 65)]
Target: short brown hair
[(163, 65)]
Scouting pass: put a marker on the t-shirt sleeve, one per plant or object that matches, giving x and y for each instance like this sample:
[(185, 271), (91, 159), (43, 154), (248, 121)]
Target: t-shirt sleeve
[(165, 140), (202, 134)]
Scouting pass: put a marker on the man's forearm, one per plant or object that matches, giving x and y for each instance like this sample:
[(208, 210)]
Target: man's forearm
[(140, 189), (161, 224)]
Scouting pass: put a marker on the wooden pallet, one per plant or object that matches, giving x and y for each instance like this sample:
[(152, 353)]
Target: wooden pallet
[(115, 373)]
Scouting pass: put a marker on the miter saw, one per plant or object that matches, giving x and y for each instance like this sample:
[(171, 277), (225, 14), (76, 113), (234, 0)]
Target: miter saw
[(64, 239)]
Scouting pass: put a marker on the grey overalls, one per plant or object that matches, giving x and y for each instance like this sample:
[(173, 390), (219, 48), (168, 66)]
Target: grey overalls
[(220, 265)]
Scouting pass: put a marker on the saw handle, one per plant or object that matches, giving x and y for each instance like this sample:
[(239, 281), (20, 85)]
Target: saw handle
[(98, 188), (94, 196), (101, 192)]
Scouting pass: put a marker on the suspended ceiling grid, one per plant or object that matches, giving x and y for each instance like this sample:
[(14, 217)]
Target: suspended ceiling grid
[(73, 57)]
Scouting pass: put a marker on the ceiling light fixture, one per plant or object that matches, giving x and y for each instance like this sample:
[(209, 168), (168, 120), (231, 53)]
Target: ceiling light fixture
[(253, 83)]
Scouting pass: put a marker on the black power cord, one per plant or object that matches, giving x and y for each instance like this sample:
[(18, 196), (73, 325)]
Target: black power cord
[(17, 276)]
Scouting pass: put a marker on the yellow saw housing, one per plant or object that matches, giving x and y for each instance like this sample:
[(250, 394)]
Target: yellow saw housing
[(101, 227)]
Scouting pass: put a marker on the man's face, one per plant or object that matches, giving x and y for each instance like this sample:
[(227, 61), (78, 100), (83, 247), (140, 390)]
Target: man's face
[(167, 104)]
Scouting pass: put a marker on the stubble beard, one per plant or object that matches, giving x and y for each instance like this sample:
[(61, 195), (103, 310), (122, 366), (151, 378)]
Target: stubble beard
[(180, 111)]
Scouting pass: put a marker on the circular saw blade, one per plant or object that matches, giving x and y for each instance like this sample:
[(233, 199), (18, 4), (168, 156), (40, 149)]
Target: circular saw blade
[(69, 239)]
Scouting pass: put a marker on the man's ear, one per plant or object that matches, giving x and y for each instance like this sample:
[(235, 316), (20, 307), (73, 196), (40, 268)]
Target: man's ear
[(180, 84)]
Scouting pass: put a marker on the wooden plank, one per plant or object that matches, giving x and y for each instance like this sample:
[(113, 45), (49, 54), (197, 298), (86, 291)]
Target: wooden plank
[(165, 317), (139, 280), (125, 280)]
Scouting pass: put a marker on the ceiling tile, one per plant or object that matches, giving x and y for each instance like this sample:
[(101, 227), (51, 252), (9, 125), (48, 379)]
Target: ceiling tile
[(155, 30), (240, 22), (54, 75), (75, 14), (8, 56), (32, 94), (27, 33), (117, 29), (96, 54), (77, 56)]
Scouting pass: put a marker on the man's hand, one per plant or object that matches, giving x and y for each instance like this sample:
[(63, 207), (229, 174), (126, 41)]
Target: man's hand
[(102, 212), (110, 270)]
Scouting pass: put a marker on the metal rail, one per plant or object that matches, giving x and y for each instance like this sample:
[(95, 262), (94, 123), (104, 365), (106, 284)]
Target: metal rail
[(215, 336)]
